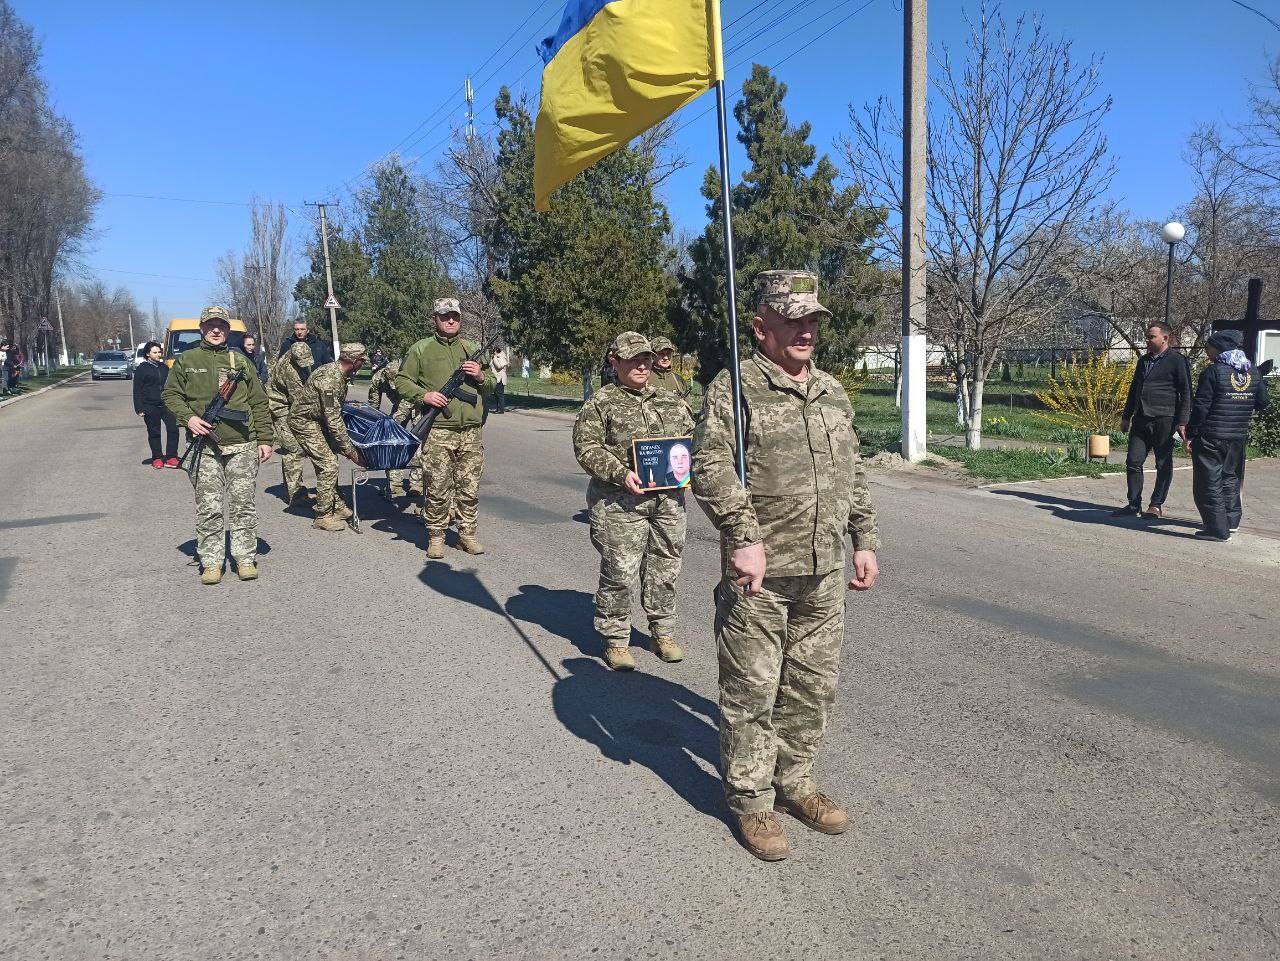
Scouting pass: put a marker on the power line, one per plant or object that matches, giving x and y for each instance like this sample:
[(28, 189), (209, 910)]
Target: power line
[(743, 16), (182, 200), (744, 23), (1251, 9), (138, 273)]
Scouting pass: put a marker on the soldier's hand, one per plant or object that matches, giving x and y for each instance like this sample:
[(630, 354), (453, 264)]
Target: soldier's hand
[(355, 458), (865, 570), (473, 370), (632, 483), (264, 453), (748, 568), (199, 426), (433, 398)]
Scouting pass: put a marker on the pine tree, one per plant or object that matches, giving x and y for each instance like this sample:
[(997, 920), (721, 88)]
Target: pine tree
[(788, 213), (572, 279)]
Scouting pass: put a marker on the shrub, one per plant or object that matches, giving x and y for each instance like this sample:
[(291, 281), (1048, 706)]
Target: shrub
[(853, 380), (1264, 434), (1087, 395), (564, 378)]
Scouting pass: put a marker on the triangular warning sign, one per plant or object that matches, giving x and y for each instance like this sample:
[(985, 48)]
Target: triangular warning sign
[(332, 303)]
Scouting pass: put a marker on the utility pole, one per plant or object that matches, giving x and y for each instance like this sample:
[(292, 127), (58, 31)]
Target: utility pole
[(915, 60), (132, 342), (57, 299), (471, 109), (328, 278)]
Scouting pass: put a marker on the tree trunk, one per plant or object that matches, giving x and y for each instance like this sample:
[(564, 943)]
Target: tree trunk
[(973, 430), (962, 394), (587, 385), (897, 377)]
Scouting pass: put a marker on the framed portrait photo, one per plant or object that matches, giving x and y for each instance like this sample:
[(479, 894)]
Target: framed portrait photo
[(662, 463)]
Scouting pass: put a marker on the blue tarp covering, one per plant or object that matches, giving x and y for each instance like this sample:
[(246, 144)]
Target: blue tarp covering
[(383, 443)]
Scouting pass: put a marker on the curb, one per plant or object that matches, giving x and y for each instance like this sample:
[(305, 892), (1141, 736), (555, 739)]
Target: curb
[(1049, 480), (14, 400)]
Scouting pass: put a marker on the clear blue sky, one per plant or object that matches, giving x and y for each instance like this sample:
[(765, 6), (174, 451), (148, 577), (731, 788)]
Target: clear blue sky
[(288, 99)]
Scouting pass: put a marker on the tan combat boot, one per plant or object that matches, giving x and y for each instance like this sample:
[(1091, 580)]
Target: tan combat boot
[(665, 646), (211, 575), (761, 833), (468, 543), (342, 511), (435, 546), (247, 571), (619, 658), (815, 811), (330, 522)]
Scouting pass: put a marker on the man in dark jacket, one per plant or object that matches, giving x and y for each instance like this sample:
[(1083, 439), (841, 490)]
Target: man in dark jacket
[(148, 385), (1159, 404), (321, 349), (1230, 390)]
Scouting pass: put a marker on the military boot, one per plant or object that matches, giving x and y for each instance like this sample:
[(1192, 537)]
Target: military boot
[(298, 498), (761, 833), (665, 646), (330, 522), (619, 658), (435, 546), (247, 571), (211, 575), (468, 543), (815, 811), (342, 511)]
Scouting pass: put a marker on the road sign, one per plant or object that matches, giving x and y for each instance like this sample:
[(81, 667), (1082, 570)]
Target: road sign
[(332, 303), (45, 326)]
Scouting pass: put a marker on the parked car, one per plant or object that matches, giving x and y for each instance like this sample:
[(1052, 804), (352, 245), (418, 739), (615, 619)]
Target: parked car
[(110, 363), (138, 356)]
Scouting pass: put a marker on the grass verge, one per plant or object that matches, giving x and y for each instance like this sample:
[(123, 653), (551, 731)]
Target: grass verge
[(998, 465), (30, 384)]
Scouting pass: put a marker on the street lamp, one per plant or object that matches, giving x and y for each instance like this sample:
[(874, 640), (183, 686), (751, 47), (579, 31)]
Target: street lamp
[(1172, 234)]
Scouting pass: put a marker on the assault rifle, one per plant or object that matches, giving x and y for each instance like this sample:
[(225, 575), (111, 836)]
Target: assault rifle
[(452, 389), (215, 411)]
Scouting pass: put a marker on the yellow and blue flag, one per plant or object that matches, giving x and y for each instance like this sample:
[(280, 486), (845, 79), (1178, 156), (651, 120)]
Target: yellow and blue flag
[(613, 69)]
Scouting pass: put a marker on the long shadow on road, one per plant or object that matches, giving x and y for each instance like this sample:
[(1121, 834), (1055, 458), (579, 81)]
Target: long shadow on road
[(633, 718), (1088, 512)]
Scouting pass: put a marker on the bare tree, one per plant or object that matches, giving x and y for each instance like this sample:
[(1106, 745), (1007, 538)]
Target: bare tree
[(1017, 160), (258, 284)]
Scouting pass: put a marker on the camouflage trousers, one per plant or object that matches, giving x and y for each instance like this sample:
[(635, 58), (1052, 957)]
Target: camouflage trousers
[(637, 537), (311, 438), (290, 456), (226, 482), (779, 657), (452, 461), (412, 476)]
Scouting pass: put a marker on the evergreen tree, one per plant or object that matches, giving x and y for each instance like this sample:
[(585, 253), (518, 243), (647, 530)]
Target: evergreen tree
[(788, 214), (350, 282), (572, 279)]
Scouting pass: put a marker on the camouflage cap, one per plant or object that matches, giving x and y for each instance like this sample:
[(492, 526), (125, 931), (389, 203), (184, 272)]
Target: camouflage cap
[(660, 344), (447, 305), (792, 293), (213, 313), (629, 345), (301, 354), (352, 351)]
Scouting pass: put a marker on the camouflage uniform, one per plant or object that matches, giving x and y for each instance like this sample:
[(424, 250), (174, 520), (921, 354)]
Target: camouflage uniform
[(667, 379), (779, 652), (452, 457), (284, 385), (635, 535), (226, 476), (316, 421), (383, 384)]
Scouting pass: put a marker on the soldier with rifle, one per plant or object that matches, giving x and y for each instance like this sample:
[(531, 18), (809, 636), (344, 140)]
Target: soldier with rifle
[(452, 453), (229, 444)]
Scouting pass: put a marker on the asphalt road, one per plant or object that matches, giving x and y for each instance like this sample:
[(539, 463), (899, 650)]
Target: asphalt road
[(1059, 736)]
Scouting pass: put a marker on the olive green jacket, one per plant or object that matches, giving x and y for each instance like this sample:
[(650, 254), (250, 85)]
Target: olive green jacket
[(284, 386), (320, 401), (669, 380), (806, 484), (429, 363), (195, 378), (612, 420)]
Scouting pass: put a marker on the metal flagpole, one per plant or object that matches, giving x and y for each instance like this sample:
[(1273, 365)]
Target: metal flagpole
[(735, 370)]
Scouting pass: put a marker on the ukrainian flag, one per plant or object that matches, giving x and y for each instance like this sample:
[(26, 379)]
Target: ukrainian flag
[(615, 68)]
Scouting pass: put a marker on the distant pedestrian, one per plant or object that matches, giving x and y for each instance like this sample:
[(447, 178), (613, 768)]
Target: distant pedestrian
[(1228, 394), (249, 347), (377, 360), (498, 365), (1158, 406), (148, 384), (5, 347)]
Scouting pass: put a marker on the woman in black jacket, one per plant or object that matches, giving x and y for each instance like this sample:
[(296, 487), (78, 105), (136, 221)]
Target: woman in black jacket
[(148, 382), (1230, 390)]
